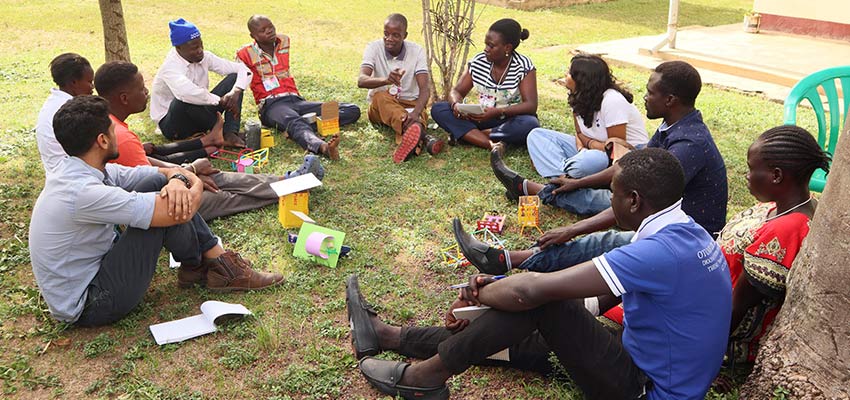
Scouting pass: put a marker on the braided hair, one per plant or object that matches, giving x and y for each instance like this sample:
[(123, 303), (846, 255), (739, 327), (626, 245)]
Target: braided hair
[(592, 78), (794, 150)]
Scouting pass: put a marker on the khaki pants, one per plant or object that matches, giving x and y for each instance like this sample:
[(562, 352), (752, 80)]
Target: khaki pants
[(386, 109)]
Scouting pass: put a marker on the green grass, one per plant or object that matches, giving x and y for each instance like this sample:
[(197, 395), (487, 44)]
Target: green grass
[(396, 217)]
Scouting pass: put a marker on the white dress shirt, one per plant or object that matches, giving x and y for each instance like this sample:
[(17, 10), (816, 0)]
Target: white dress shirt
[(190, 82), (49, 148)]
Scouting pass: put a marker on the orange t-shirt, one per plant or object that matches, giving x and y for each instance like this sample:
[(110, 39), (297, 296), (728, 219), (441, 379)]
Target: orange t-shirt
[(131, 153)]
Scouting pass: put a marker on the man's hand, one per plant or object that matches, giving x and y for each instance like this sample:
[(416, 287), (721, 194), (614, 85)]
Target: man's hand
[(453, 324), (476, 282), (204, 169), (179, 199), (395, 77), (230, 101), (555, 237), (203, 166), (149, 148), (409, 119), (565, 184)]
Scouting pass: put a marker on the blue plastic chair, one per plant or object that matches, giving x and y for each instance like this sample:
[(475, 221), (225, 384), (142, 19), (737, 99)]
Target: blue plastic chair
[(809, 88)]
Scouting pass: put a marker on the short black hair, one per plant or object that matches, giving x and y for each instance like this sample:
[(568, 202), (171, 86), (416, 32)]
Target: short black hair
[(681, 80), (114, 75), (655, 174), (399, 19), (256, 18), (794, 150), (510, 30), (79, 121), (67, 68)]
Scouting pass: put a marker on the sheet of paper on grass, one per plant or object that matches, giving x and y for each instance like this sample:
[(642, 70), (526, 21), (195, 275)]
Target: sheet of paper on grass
[(300, 250), (473, 312), (297, 184), (470, 109), (198, 325)]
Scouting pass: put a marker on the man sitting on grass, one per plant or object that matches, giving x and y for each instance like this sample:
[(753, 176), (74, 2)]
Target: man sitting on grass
[(281, 105), (396, 73), (672, 90), (673, 281), (89, 272), (226, 193), (74, 76), (182, 104)]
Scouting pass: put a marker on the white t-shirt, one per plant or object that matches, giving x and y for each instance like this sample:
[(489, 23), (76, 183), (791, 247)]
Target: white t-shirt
[(616, 110), (49, 148), (411, 59)]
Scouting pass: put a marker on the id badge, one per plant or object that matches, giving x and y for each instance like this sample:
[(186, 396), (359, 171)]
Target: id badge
[(270, 83)]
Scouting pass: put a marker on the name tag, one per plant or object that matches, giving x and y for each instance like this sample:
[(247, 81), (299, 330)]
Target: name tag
[(271, 83)]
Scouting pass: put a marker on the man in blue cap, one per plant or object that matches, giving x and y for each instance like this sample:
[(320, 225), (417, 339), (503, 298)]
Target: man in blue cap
[(181, 102)]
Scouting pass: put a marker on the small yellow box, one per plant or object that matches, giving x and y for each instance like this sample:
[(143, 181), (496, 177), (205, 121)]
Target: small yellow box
[(292, 202), (266, 138), (327, 127)]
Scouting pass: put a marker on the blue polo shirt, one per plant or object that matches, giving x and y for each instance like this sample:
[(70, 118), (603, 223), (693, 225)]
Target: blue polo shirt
[(706, 187), (677, 302)]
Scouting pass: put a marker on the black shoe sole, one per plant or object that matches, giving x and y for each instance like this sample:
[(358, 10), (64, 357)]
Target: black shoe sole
[(364, 339)]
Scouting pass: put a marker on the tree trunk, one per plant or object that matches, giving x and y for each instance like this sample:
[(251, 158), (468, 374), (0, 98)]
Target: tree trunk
[(807, 353), (114, 31)]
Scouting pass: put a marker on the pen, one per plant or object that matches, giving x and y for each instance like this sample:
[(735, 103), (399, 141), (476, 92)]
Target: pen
[(463, 285)]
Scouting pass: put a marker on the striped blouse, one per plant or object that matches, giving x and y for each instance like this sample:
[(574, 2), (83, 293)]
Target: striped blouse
[(491, 93)]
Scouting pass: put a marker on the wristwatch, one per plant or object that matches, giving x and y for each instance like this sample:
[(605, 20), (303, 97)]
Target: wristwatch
[(182, 178)]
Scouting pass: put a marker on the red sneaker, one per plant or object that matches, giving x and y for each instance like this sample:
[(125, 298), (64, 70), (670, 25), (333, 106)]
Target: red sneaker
[(408, 143)]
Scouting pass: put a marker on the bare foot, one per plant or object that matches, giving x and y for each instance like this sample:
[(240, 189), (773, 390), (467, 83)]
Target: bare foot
[(231, 139), (210, 149), (215, 137), (333, 148)]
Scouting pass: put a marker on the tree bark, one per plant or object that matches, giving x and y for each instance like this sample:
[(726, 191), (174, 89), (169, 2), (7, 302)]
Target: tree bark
[(807, 353), (114, 31)]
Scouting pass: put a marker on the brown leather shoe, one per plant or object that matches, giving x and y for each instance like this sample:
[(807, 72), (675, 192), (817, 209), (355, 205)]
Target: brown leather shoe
[(230, 272), (188, 275)]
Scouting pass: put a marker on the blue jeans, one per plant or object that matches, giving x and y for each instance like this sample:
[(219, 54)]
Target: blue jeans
[(554, 153), (513, 130), (576, 251), (580, 201)]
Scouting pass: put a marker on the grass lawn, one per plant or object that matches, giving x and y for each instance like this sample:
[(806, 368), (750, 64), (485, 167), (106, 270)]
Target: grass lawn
[(396, 217)]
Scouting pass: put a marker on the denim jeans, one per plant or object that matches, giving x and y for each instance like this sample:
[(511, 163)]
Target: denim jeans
[(556, 258), (513, 130), (554, 154), (580, 201)]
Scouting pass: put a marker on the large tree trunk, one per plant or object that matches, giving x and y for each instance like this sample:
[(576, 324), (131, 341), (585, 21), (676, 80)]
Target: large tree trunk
[(807, 354), (114, 31)]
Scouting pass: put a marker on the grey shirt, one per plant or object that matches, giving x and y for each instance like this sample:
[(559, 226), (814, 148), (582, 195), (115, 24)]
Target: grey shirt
[(73, 227)]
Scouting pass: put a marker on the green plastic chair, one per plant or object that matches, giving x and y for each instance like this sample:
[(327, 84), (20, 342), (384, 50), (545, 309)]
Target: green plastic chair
[(808, 89)]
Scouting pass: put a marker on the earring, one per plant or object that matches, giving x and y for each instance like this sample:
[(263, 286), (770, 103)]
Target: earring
[(506, 54)]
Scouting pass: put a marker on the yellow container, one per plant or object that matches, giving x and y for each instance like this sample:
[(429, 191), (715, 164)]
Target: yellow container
[(328, 127), (266, 138), (292, 202)]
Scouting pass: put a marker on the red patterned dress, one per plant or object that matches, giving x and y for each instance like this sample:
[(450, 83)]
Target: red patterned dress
[(762, 249)]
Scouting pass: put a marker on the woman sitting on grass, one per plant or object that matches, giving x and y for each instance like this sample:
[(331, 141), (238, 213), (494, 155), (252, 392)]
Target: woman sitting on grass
[(506, 82), (602, 110)]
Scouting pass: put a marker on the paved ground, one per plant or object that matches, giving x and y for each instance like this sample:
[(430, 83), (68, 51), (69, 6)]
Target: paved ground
[(769, 63)]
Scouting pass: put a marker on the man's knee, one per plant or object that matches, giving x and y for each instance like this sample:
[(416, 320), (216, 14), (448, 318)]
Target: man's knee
[(153, 183)]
